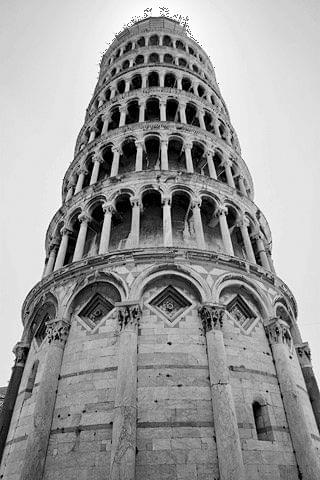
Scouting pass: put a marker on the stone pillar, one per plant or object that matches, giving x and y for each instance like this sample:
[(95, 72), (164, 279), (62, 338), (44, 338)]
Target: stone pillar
[(162, 110), (123, 113), (144, 80), (179, 83), (187, 150), (135, 221), (242, 187), (227, 165), (182, 111), (69, 192), (211, 167), (167, 225), (261, 250), (115, 161), (216, 127), (123, 447), (304, 356), (65, 232), (97, 160), (38, 438), (280, 340), (21, 352), (195, 205), (243, 225), (127, 85), (161, 79), (142, 106), (52, 257), (82, 173), (108, 209), (224, 414), (224, 229), (139, 155), (201, 119), (164, 154), (106, 119), (93, 132), (112, 91), (84, 220)]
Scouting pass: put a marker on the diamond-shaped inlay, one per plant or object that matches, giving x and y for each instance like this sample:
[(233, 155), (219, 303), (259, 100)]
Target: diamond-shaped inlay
[(94, 311), (170, 303), (241, 312)]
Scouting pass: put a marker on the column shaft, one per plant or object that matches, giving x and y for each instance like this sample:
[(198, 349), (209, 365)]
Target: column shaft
[(224, 229), (164, 155), (247, 242), (211, 167), (262, 253), (115, 162), (80, 181), (162, 111), (139, 156), (135, 222), (62, 249), (183, 113), (106, 229), (51, 260), (229, 175), (81, 240), (167, 226), (198, 225), (95, 171), (189, 163)]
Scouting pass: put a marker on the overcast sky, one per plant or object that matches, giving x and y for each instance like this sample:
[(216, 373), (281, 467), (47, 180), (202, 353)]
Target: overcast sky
[(267, 62)]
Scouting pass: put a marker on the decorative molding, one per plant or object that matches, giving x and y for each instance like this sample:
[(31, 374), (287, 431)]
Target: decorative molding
[(278, 332), (212, 316), (57, 331), (129, 315)]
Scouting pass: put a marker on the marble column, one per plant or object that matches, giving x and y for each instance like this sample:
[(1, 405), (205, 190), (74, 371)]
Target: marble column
[(201, 119), (182, 111), (97, 160), (135, 221), (189, 162), (21, 352), (304, 356), (144, 80), (242, 187), (139, 155), (93, 133), (162, 110), (280, 340), (84, 220), (221, 213), (54, 246), (142, 107), (123, 113), (167, 225), (108, 209), (227, 166), (243, 225), (123, 446), (69, 192), (179, 83), (161, 79), (195, 205), (82, 173), (38, 438), (127, 85), (115, 161), (106, 119), (261, 250), (164, 154), (65, 232), (211, 167), (224, 414)]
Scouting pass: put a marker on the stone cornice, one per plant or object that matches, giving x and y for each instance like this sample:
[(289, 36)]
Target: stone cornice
[(170, 255)]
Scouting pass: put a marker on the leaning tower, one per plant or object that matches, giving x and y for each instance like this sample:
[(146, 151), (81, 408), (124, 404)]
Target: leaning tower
[(160, 344)]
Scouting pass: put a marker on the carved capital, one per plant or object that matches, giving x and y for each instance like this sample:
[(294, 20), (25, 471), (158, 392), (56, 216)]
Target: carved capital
[(139, 143), (135, 202), (97, 158), (84, 218), (108, 208), (221, 210), (116, 149), (187, 144), (129, 315), (166, 200), (212, 317), (278, 332), (242, 221), (20, 351), (226, 162), (65, 231), (83, 171), (196, 203), (57, 331), (304, 354)]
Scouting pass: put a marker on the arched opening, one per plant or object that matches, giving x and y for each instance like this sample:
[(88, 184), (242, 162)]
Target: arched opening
[(262, 421), (136, 82), (192, 115), (199, 159), (93, 236), (210, 225), (128, 47), (107, 94), (154, 40), (180, 45), (200, 58), (98, 127), (252, 230), (170, 80), (151, 154), (114, 118), (113, 72), (172, 111), (168, 58), (151, 230), (117, 54), (153, 79), (154, 58), (152, 111), (176, 155), (105, 166), (222, 131), (195, 68), (187, 85), (221, 173), (213, 100), (191, 51), (235, 233), (127, 159), (132, 115), (121, 223), (121, 86), (201, 91), (139, 60), (125, 65), (141, 42), (89, 168), (182, 62), (167, 42), (183, 232), (208, 121)]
